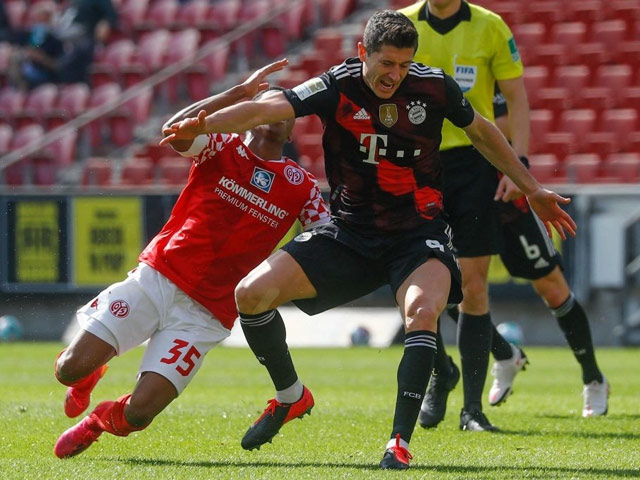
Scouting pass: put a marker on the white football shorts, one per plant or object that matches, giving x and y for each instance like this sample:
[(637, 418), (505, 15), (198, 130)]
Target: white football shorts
[(148, 306)]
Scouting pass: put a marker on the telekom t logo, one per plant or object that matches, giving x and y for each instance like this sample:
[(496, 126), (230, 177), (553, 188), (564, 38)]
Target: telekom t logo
[(369, 143)]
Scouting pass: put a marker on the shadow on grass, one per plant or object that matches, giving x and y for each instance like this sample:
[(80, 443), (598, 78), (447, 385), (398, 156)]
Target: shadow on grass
[(461, 469), (571, 433)]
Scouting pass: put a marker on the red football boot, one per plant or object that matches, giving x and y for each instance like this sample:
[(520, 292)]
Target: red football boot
[(274, 417)]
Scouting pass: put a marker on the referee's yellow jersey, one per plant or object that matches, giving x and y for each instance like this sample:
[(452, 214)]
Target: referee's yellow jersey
[(479, 50)]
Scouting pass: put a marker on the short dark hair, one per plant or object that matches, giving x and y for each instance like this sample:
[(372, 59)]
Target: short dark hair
[(389, 27)]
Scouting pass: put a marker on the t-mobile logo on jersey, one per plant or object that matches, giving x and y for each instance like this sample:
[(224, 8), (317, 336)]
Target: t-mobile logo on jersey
[(369, 145)]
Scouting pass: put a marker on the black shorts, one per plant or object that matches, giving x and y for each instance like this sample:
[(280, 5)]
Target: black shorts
[(528, 251), (470, 183), (343, 265)]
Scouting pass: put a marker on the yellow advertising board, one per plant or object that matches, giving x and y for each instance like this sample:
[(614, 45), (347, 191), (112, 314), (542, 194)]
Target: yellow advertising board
[(37, 242), (108, 238)]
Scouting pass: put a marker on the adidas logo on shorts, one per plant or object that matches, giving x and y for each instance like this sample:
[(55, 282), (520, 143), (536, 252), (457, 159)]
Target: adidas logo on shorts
[(362, 115)]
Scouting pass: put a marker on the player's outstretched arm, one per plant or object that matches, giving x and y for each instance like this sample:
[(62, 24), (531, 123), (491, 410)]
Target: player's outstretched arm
[(244, 91)]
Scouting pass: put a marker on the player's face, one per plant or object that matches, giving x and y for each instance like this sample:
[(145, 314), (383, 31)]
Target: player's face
[(385, 70)]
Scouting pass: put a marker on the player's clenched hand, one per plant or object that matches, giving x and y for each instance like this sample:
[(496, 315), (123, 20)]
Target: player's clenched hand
[(256, 82), (507, 190), (186, 129), (546, 204)]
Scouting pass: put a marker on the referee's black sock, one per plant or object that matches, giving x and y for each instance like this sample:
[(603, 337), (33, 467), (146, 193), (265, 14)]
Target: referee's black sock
[(500, 348), (474, 343), (441, 364), (575, 326), (266, 335), (413, 375)]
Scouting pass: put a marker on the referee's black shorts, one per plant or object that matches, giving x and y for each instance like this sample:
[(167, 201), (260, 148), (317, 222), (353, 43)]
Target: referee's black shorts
[(344, 266), (470, 183)]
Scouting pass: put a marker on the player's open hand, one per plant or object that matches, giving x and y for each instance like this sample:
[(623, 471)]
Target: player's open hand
[(256, 82), (186, 129), (546, 204)]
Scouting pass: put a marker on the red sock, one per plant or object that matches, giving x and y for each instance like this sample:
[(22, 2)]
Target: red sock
[(109, 416)]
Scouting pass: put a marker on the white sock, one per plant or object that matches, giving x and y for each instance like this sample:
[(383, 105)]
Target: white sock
[(290, 394), (392, 443)]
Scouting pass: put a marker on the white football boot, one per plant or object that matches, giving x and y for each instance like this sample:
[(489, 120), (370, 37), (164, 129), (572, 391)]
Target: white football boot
[(596, 398), (504, 372)]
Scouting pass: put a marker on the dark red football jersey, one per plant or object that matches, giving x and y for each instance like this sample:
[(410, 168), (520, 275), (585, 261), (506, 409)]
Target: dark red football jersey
[(230, 216), (382, 155)]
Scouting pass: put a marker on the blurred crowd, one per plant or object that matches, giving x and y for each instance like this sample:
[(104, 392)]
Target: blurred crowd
[(57, 42)]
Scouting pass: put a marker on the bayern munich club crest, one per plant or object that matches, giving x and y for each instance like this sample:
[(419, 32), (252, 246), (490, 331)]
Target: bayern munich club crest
[(293, 174), (417, 112), (119, 308)]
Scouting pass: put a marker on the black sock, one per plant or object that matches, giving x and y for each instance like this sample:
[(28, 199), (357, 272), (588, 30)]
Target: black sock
[(474, 343), (441, 364), (453, 312), (500, 348), (266, 335), (413, 375), (575, 326)]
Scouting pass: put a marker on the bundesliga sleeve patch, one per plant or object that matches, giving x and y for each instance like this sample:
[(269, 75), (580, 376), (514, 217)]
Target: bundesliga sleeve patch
[(309, 88)]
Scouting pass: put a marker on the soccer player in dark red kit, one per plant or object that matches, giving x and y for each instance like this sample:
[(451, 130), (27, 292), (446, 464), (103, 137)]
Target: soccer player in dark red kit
[(241, 198), (382, 116)]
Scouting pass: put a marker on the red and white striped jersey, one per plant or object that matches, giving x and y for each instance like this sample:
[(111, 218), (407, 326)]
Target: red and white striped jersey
[(232, 213)]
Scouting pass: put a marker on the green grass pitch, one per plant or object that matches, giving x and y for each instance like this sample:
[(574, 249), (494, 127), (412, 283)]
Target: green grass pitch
[(198, 436)]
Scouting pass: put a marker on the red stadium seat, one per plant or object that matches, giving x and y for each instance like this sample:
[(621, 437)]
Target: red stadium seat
[(550, 54), (226, 13), (582, 168), (97, 172), (160, 14), (609, 32), (5, 54), (123, 120), (528, 35), (573, 77), (551, 98), (174, 171), (545, 168), (512, 12), (11, 102), (72, 101), (624, 167), (151, 50), (182, 46), (548, 12), (39, 102), (586, 11), (102, 95), (535, 78), (568, 33), (541, 123), (17, 13), (6, 133), (579, 122), (116, 56), (132, 14), (20, 172), (201, 76), (595, 98), (615, 77), (137, 172), (591, 54), (621, 122)]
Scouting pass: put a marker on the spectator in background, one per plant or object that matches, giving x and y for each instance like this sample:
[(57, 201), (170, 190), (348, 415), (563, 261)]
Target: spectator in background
[(37, 49), (83, 25), (6, 28)]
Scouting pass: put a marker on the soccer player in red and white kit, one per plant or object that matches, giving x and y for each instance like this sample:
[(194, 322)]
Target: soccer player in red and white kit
[(382, 116), (240, 199)]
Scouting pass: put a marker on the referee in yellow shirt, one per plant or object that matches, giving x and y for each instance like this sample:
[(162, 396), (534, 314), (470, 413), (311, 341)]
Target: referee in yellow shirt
[(476, 48)]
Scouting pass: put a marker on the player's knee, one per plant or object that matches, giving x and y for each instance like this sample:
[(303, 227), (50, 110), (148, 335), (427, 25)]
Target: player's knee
[(475, 291), (422, 316), (70, 368), (248, 297)]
